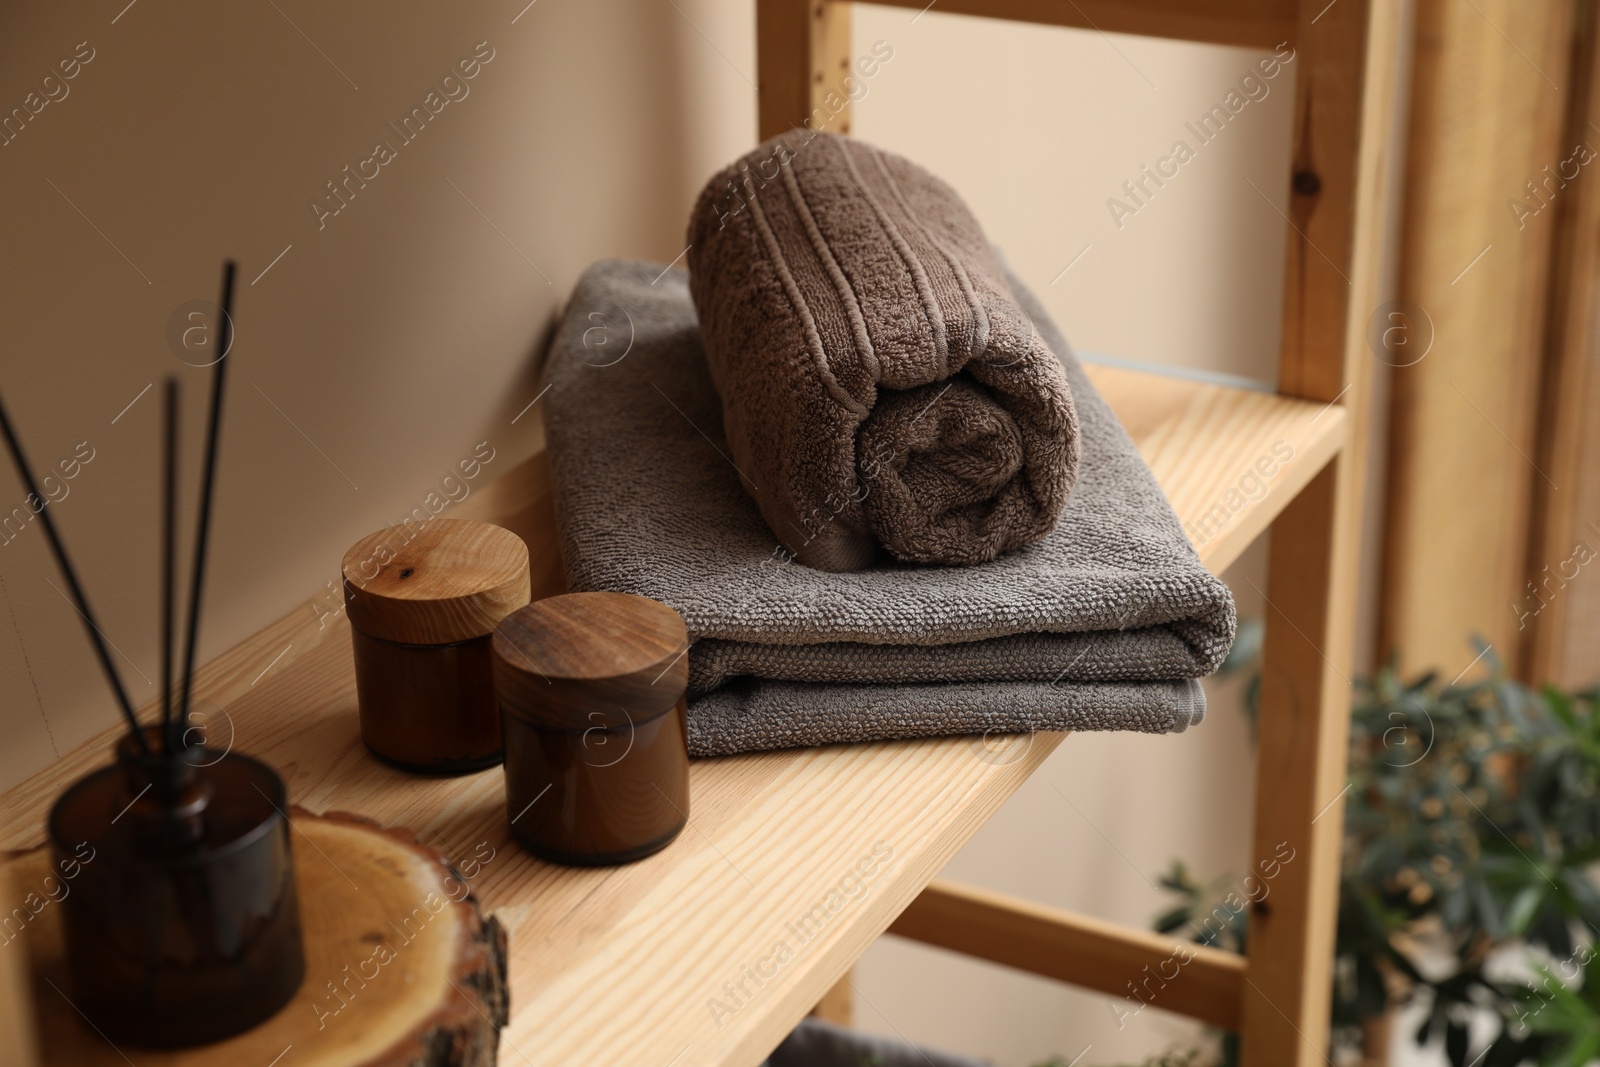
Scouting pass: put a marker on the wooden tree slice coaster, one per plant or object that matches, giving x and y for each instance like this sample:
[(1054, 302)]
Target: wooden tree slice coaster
[(402, 969)]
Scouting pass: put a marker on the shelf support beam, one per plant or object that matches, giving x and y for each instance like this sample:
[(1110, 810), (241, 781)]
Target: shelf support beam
[(1146, 969)]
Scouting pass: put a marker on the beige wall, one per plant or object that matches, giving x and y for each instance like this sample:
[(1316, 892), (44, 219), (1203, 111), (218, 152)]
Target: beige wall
[(402, 333), (391, 340), (1040, 128)]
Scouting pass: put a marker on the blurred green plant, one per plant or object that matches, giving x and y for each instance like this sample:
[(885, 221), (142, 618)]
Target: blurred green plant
[(1471, 827), (1472, 830)]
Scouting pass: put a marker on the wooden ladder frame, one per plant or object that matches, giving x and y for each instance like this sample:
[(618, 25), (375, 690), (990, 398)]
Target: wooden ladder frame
[(1278, 998)]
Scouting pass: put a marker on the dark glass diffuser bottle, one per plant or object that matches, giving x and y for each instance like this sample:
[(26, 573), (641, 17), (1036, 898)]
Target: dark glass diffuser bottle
[(183, 926), (423, 604), (591, 689)]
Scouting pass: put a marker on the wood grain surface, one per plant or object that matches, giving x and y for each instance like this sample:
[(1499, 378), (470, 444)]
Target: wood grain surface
[(815, 81), (1229, 460), (1484, 187), (1559, 617), (1245, 23), (434, 583), (613, 655), (792, 863), (1341, 211), (1084, 951), (18, 1032), (401, 969)]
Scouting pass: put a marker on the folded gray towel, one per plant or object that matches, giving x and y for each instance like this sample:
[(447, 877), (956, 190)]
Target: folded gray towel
[(879, 383), (1104, 624)]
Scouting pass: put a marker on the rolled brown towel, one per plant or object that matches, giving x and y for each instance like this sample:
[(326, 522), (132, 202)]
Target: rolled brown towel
[(880, 384)]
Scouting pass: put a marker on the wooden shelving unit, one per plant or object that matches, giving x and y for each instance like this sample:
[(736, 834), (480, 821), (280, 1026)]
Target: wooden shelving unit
[(1278, 1000), (674, 960), (769, 836)]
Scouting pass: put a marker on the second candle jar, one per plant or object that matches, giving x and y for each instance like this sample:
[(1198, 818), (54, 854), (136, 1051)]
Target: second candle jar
[(423, 603), (591, 689)]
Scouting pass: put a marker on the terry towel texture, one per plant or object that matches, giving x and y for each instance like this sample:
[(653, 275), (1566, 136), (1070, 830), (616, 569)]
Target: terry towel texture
[(1105, 624), (861, 331)]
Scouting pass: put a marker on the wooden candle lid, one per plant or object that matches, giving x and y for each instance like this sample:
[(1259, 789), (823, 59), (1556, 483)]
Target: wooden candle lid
[(448, 580), (591, 659)]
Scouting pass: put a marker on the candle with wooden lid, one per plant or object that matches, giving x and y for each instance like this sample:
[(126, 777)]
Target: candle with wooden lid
[(423, 603), (591, 689)]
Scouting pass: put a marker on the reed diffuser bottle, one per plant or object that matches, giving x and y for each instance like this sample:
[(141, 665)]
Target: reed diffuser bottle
[(183, 926)]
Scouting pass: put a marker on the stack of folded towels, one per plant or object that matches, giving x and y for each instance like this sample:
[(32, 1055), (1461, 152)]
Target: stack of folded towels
[(861, 462)]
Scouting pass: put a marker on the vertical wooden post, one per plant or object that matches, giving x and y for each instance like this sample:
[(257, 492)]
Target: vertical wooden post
[(1344, 102), (1482, 196), (1300, 775), (18, 1036), (1560, 619), (838, 1004), (802, 61)]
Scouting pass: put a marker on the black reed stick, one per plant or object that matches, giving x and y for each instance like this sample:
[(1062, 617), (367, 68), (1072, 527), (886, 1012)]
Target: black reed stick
[(60, 550), (207, 478), (169, 536)]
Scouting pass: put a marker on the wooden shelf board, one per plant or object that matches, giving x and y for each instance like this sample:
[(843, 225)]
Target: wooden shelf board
[(703, 953), (1211, 446), (1261, 24)]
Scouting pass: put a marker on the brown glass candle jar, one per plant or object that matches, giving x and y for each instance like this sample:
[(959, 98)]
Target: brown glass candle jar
[(591, 689), (423, 603), (182, 925)]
